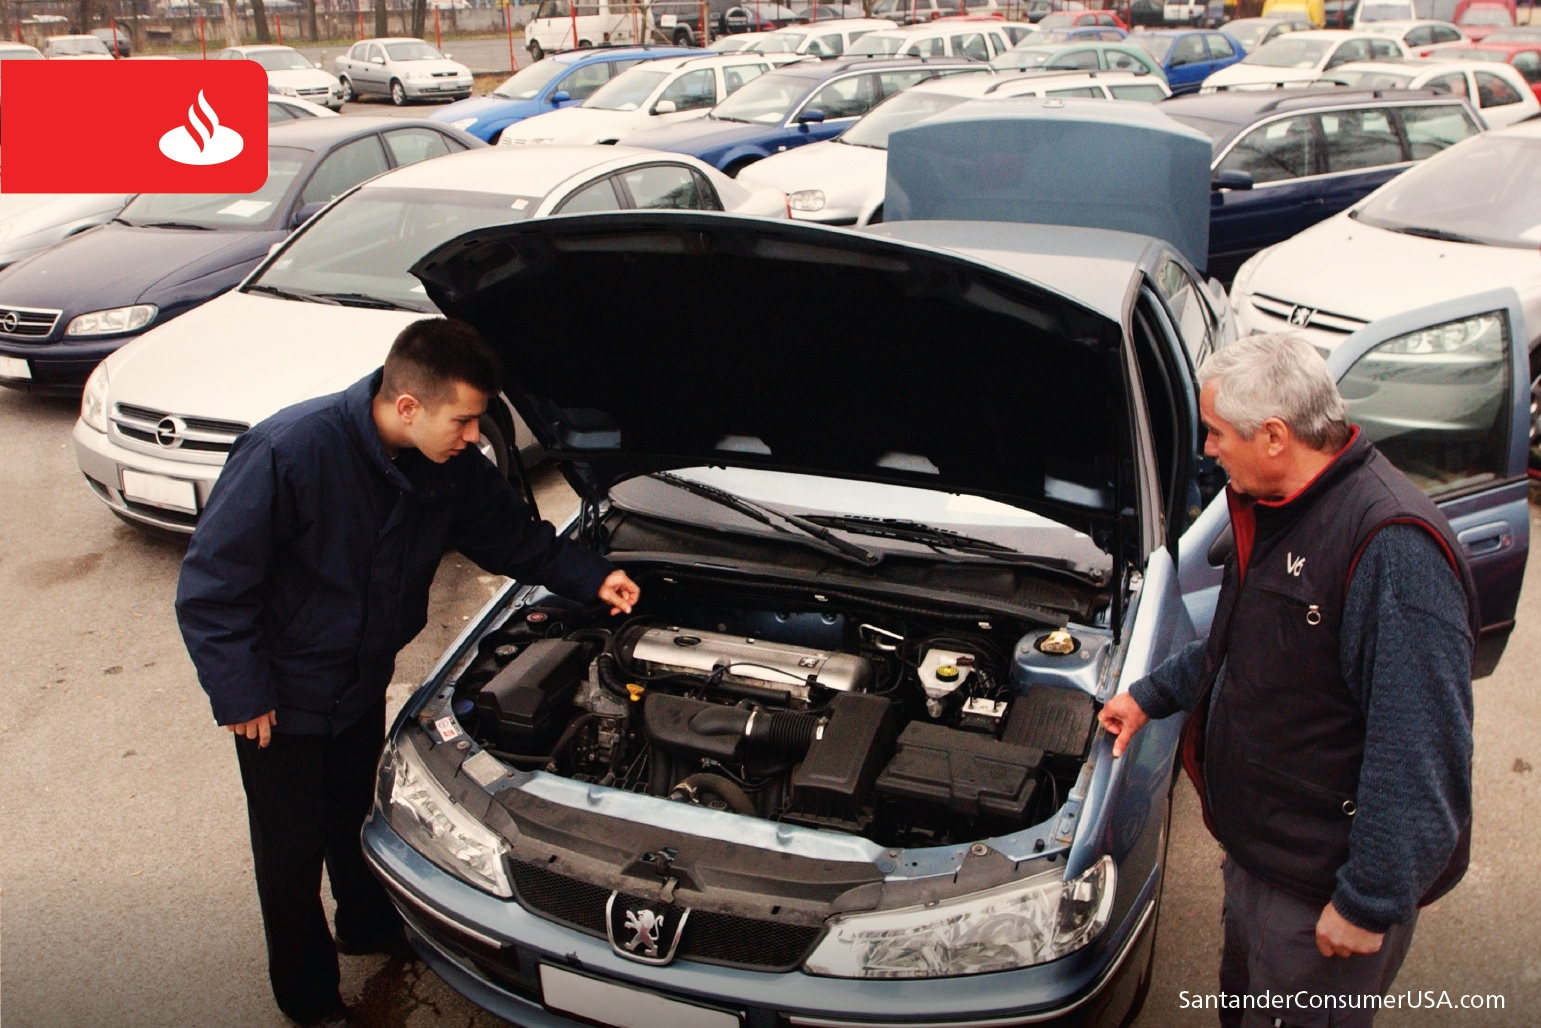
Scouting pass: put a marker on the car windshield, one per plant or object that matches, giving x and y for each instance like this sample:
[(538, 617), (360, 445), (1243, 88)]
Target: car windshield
[(367, 242), (888, 8), (530, 81), (1249, 33), (72, 47), (626, 91), (221, 210), (1517, 34), (1024, 58), (780, 43), (900, 112), (20, 54), (1217, 131), (1157, 46), (414, 51), (1052, 36), (877, 43), (1487, 190), (765, 101), (1474, 54), (1289, 52), (1057, 21), (1383, 12), (280, 60), (1486, 16), (1367, 78)]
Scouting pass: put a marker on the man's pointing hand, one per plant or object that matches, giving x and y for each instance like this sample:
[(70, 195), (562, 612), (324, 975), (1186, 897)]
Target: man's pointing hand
[(620, 592)]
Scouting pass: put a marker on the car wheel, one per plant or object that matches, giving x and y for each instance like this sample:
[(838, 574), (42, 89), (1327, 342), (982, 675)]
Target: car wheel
[(1535, 413), (585, 44), (536, 53), (682, 37), (494, 444), (398, 93), (348, 95)]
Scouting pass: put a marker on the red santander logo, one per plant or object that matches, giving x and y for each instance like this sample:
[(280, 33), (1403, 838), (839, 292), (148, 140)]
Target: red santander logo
[(134, 126)]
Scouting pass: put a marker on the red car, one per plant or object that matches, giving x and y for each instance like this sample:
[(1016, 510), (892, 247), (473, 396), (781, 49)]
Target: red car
[(1526, 58), (1480, 19), (1082, 19)]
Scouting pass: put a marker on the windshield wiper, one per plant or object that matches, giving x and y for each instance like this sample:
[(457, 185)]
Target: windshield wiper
[(378, 303), (815, 536), (175, 224), (1438, 233), (291, 294), (940, 539)]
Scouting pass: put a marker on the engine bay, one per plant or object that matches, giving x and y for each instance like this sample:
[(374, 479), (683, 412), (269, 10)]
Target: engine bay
[(903, 726)]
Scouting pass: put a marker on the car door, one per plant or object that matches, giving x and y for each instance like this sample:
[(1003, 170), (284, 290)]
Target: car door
[(1493, 95), (582, 81), (1528, 64), (691, 94), (410, 145), (842, 101), (1443, 393), (342, 169), (666, 187), (971, 45), (1362, 151), (1187, 64), (373, 71), (1281, 156), (1222, 52)]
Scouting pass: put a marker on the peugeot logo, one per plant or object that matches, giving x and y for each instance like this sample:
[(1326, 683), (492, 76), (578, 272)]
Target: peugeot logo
[(645, 932), (8, 321), (169, 432), (1300, 316)]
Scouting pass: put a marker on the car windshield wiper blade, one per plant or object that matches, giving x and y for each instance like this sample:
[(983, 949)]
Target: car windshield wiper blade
[(175, 224), (1437, 233), (292, 294), (940, 539), (379, 303), (814, 535)]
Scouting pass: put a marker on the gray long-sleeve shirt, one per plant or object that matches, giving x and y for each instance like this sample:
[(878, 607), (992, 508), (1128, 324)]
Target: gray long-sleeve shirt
[(1406, 654)]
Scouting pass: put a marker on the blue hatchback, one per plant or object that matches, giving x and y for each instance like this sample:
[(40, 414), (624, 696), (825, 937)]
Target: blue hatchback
[(800, 104), (561, 80), (1188, 56)]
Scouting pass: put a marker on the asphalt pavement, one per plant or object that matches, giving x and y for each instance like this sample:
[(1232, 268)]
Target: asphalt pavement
[(127, 896)]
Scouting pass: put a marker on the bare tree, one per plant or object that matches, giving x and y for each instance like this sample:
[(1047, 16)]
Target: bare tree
[(382, 27), (419, 18), (310, 17), (232, 26), (259, 17)]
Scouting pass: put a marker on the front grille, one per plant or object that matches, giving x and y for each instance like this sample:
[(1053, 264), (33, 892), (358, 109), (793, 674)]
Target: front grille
[(205, 435), (709, 937), (1327, 321), (445, 74), (322, 91), (27, 322)]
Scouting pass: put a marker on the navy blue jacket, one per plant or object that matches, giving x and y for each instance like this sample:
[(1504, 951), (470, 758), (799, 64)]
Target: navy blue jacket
[(310, 567)]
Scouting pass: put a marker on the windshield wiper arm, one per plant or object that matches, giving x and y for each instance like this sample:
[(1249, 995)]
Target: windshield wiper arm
[(292, 294), (819, 537), (378, 303), (1437, 233), (175, 224), (940, 539)]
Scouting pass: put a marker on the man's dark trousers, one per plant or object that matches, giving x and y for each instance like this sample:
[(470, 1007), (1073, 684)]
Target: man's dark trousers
[(306, 800)]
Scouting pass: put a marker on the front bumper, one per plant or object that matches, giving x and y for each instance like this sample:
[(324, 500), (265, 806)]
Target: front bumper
[(102, 462), (492, 950), (58, 368), (458, 88)]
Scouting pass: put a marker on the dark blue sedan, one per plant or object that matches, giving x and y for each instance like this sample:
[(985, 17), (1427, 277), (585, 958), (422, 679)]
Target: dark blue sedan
[(1287, 159), (1189, 55), (62, 310), (800, 104), (560, 80)]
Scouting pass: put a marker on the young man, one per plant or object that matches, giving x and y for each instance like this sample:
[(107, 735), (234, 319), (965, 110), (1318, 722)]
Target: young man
[(1330, 737), (308, 573)]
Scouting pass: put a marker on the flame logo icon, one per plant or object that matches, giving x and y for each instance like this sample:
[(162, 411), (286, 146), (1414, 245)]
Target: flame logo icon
[(202, 140)]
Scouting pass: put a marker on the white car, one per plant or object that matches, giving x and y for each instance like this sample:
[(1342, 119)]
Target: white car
[(980, 40), (160, 414), (283, 108), (30, 222), (842, 181), (650, 95), (290, 73), (1463, 221), (1421, 36), (76, 48), (402, 68), (1498, 91), (1367, 12), (738, 41), (1301, 57), (821, 39)]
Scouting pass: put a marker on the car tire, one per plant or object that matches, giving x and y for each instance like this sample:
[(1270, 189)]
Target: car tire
[(683, 37), (585, 44), (1535, 412), (536, 53), (494, 444), (348, 95), (398, 93)]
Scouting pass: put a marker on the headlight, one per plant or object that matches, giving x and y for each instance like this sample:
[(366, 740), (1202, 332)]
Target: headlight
[(1482, 336), (439, 828), (807, 200), (288, 91), (1017, 925), (106, 323), (1244, 276), (463, 123), (93, 402)]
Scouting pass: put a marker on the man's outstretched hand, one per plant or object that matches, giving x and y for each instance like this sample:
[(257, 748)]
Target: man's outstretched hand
[(1122, 717), (259, 728), (620, 592)]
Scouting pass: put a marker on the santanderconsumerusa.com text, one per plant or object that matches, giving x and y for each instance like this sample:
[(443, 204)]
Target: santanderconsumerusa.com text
[(1303, 1000)]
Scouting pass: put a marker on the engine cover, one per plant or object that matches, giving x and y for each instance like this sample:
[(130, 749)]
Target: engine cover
[(780, 666)]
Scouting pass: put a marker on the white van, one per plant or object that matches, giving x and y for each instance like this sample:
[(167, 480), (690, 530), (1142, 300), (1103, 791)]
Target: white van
[(982, 40), (557, 26), (1383, 10), (821, 39)]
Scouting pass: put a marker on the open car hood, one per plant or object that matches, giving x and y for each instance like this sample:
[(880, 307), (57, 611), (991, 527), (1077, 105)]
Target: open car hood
[(795, 348)]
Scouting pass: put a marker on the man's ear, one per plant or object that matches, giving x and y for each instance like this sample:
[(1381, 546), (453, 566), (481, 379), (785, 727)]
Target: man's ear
[(407, 408), (1277, 434)]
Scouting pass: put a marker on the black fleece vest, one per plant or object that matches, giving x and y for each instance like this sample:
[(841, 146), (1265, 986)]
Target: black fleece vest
[(1276, 758)]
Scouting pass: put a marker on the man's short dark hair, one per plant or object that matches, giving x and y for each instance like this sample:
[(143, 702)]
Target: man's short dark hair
[(431, 355)]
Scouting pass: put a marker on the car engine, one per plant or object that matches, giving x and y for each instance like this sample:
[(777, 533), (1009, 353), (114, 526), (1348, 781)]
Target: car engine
[(871, 722)]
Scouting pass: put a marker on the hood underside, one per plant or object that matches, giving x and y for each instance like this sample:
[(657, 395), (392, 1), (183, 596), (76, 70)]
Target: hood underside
[(640, 342)]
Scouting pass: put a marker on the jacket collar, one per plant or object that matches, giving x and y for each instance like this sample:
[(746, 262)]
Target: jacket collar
[(1272, 515), (358, 414)]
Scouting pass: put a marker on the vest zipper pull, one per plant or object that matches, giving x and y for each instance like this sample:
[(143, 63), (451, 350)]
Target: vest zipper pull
[(1313, 615)]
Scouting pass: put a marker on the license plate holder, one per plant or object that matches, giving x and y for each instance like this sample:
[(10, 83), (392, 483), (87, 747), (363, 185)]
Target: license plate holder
[(159, 491), (622, 1006), (15, 367)]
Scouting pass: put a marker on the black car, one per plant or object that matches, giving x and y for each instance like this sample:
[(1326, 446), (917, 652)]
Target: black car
[(118, 39), (64, 309)]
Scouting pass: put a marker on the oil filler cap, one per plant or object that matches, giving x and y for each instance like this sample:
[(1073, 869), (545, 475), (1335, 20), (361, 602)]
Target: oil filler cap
[(1058, 643)]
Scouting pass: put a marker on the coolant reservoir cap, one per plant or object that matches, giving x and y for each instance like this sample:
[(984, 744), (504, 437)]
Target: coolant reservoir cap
[(1058, 643)]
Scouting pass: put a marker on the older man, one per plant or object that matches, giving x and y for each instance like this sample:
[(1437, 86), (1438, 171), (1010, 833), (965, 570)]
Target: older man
[(1330, 740)]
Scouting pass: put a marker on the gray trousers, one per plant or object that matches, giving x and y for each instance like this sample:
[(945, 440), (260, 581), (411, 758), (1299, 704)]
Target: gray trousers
[(1270, 949)]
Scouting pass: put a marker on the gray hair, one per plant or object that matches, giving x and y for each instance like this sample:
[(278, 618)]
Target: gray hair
[(1277, 375)]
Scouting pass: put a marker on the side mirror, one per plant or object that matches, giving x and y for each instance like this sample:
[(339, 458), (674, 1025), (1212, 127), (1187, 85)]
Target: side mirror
[(813, 115), (665, 107), (318, 64), (1230, 180), (448, 56), (561, 96), (306, 212)]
